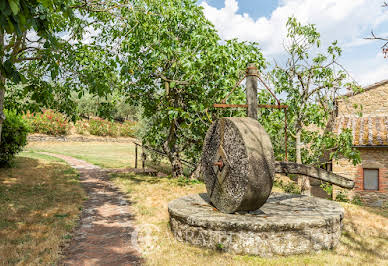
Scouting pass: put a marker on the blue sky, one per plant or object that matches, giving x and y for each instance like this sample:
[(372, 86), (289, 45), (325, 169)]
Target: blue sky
[(348, 21), (255, 8)]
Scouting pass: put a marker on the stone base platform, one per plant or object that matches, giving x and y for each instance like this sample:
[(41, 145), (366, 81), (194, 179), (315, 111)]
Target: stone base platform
[(286, 224)]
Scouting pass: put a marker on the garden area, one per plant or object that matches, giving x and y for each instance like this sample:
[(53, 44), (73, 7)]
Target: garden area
[(42, 198), (134, 132)]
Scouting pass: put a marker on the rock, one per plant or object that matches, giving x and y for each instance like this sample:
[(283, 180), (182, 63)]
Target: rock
[(287, 224), (243, 178)]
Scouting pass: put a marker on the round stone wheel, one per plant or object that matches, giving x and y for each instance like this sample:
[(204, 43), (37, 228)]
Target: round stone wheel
[(238, 164)]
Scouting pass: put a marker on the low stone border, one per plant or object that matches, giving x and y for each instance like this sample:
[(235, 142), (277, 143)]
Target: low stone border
[(46, 138)]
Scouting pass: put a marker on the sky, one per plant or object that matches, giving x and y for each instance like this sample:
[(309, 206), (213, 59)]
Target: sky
[(348, 21)]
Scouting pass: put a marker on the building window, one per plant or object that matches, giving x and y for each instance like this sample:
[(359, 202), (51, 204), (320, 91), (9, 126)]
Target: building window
[(371, 179)]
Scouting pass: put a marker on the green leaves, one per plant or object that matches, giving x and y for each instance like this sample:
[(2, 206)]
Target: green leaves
[(14, 5), (310, 82), (173, 42)]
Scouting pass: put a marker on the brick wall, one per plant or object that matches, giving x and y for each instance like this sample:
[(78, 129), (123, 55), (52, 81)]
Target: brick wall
[(376, 158), (374, 102)]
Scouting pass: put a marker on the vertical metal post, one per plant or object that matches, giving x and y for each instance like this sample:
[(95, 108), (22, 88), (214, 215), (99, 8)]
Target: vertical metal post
[(252, 91), (143, 159), (135, 155)]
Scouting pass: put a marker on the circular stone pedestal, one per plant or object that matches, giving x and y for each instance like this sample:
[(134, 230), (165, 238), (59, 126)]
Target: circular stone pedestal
[(286, 224)]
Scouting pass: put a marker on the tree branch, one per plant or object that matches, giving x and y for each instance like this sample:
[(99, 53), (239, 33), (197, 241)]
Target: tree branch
[(178, 82), (28, 58)]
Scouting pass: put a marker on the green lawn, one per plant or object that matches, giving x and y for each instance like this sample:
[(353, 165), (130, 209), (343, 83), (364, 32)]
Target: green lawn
[(104, 154)]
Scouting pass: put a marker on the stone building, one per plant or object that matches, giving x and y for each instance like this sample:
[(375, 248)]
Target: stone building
[(370, 137)]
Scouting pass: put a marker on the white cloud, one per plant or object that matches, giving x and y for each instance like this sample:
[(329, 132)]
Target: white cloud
[(371, 70), (345, 20)]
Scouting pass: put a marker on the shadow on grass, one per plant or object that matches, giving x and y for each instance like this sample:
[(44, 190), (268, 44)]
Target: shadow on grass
[(138, 178), (369, 238), (39, 204), (375, 210)]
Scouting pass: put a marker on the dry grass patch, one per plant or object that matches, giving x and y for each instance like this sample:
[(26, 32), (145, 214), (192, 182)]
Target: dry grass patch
[(364, 239), (40, 200)]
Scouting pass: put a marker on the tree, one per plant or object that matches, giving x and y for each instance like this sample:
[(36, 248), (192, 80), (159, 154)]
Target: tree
[(310, 82), (384, 39), (175, 66), (41, 48)]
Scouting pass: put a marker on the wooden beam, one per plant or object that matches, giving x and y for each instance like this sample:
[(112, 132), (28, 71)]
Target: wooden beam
[(251, 91), (314, 172), (224, 105)]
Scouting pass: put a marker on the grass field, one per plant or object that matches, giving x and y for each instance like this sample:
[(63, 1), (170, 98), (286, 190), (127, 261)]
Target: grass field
[(364, 239), (40, 201), (104, 154)]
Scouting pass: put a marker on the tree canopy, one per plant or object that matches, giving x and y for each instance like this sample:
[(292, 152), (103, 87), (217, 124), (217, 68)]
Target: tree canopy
[(310, 80), (174, 65), (42, 47)]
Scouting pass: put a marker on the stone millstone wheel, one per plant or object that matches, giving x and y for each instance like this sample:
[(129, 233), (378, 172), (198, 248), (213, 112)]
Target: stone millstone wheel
[(238, 164)]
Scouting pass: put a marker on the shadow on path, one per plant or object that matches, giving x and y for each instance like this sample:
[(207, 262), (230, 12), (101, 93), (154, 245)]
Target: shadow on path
[(103, 236)]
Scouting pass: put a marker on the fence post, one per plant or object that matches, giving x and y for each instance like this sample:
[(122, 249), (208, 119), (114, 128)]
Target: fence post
[(143, 158), (252, 91), (135, 155)]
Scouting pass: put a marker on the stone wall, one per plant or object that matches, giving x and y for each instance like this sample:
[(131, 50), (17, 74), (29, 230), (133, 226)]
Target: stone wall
[(77, 138), (373, 100), (376, 158), (374, 103)]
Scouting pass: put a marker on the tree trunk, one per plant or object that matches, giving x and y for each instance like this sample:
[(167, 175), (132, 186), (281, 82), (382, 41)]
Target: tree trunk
[(172, 152), (197, 173), (2, 88), (303, 181), (2, 115)]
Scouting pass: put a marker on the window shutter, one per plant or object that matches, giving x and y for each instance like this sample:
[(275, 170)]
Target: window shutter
[(371, 179)]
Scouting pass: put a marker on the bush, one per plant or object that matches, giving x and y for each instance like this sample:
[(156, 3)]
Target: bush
[(357, 200), (49, 122), (13, 137), (288, 187), (101, 127), (127, 129), (82, 127), (342, 197)]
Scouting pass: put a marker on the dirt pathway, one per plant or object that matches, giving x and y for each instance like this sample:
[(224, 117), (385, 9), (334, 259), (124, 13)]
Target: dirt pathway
[(103, 236)]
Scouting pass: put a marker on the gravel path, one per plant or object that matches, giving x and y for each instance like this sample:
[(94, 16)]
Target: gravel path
[(103, 236)]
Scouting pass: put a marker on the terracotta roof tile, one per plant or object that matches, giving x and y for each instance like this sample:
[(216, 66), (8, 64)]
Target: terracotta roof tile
[(367, 131)]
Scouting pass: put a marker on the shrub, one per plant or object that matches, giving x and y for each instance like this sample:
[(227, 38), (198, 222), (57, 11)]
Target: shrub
[(342, 197), (101, 127), (328, 188), (49, 122), (127, 129), (288, 187), (357, 200), (81, 127), (13, 137)]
